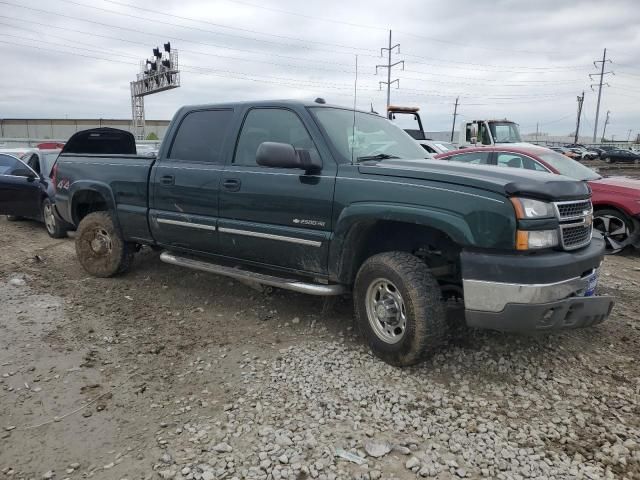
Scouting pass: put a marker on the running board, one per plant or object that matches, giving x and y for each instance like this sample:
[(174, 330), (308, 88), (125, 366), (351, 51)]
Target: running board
[(239, 274)]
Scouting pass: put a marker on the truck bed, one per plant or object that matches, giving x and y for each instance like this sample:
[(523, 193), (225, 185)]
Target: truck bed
[(122, 179)]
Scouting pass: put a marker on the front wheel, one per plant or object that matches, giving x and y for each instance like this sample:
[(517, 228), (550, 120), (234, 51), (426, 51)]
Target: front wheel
[(398, 308), (100, 246), (54, 227), (615, 227)]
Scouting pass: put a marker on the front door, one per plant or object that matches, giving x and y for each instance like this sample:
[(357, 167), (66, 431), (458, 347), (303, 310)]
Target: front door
[(276, 216), (186, 182), (20, 189)]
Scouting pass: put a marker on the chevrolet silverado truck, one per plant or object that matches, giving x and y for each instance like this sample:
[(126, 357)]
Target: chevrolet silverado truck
[(326, 200)]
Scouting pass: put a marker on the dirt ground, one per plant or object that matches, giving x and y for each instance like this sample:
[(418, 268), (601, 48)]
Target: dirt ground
[(170, 373)]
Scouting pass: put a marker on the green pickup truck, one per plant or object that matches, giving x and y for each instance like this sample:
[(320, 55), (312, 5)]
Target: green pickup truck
[(324, 200)]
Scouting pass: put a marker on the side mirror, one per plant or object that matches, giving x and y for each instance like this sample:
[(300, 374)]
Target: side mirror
[(283, 155), (474, 140)]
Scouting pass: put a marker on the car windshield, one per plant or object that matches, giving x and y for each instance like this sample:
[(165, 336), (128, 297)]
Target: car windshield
[(365, 136), (566, 166), (505, 132)]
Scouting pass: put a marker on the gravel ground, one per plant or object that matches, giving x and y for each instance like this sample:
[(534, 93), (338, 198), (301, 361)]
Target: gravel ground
[(169, 373)]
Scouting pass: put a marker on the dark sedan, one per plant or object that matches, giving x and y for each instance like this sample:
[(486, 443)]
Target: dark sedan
[(26, 191), (620, 156)]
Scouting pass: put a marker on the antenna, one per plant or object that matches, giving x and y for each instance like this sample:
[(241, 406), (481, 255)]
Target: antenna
[(355, 96)]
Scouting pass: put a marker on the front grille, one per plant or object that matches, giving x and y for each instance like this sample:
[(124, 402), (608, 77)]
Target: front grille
[(575, 236), (576, 220), (578, 209)]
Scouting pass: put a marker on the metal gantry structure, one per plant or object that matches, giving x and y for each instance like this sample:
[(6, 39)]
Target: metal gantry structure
[(156, 75)]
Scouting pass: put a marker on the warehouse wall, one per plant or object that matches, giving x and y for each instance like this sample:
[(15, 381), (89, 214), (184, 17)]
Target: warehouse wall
[(62, 129)]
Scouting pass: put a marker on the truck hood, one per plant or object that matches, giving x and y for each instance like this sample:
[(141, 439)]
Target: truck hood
[(503, 180)]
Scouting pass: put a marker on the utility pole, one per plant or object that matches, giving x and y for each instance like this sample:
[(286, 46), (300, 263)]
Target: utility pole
[(389, 66), (604, 130), (455, 114), (629, 136), (580, 102), (601, 74), (537, 125)]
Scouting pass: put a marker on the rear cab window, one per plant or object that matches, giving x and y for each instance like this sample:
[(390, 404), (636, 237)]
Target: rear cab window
[(201, 135)]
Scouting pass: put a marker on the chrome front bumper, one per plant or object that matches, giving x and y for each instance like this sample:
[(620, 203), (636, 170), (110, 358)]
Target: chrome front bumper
[(494, 296)]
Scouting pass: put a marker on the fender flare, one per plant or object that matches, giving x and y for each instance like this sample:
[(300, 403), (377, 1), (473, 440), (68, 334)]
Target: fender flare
[(346, 231), (100, 188)]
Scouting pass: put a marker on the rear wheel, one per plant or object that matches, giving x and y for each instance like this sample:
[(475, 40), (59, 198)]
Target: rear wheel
[(55, 228), (615, 227), (398, 308), (100, 246)]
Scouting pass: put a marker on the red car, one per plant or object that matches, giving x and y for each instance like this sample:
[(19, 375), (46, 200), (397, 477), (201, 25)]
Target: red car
[(616, 200)]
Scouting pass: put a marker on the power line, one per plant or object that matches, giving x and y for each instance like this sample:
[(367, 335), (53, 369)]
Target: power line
[(505, 68), (374, 27), (182, 50), (164, 35), (206, 22)]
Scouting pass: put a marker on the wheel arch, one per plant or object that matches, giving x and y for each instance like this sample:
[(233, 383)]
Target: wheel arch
[(363, 231), (86, 199)]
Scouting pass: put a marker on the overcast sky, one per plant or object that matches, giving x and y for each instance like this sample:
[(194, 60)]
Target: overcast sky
[(524, 60)]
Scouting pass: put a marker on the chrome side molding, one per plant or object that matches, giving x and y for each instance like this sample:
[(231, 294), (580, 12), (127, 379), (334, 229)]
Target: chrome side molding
[(239, 274)]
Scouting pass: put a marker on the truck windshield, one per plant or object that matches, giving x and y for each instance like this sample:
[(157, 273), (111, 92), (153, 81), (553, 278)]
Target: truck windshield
[(570, 168), (373, 136), (505, 132)]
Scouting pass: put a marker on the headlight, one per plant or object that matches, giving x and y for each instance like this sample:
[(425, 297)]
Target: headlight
[(528, 208), (536, 239)]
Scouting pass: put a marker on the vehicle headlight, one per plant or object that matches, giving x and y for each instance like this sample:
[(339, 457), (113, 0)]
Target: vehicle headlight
[(528, 208), (536, 239)]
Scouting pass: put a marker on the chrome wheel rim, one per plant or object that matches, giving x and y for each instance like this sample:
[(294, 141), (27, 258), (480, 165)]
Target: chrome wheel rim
[(614, 230), (386, 311), (49, 219), (101, 243)]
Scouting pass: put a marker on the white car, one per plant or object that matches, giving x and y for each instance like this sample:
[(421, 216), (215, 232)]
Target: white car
[(435, 146)]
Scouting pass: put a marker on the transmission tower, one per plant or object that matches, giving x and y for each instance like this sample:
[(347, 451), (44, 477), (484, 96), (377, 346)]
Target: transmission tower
[(580, 102), (455, 114), (156, 75), (389, 66), (601, 75), (604, 130)]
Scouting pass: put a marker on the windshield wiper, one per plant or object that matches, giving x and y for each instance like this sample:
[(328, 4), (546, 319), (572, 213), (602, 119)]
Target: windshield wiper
[(379, 156)]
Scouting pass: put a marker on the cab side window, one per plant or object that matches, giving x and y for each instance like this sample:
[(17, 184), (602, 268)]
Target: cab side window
[(270, 125), (514, 160), (201, 136)]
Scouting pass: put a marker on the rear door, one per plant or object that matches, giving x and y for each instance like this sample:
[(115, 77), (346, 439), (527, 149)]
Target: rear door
[(185, 182), (20, 189), (276, 216)]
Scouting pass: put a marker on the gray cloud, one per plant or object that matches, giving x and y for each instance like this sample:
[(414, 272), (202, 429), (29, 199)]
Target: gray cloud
[(523, 60)]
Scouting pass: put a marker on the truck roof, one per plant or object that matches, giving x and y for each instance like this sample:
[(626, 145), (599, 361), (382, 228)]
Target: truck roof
[(270, 103)]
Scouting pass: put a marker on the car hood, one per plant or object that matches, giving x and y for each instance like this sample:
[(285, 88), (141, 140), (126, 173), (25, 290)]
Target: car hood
[(629, 186), (502, 180)]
